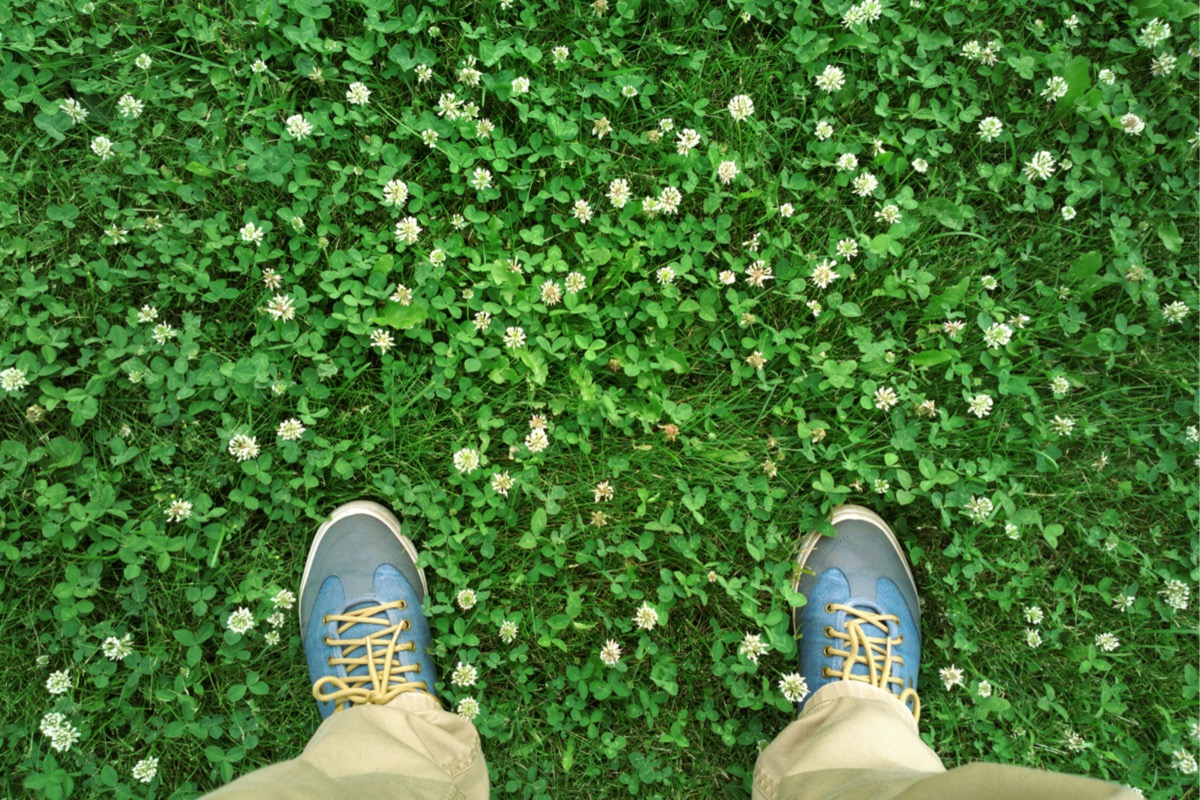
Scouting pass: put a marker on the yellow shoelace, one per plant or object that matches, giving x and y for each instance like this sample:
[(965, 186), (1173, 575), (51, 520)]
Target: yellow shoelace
[(874, 652), (378, 652)]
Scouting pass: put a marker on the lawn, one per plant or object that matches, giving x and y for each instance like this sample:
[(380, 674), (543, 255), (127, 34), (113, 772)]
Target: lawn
[(612, 302)]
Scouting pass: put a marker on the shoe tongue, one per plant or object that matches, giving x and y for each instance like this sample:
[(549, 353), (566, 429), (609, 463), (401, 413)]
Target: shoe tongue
[(868, 629), (362, 630)]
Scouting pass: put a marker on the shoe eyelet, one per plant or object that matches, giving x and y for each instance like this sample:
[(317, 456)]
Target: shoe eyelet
[(328, 642), (826, 672), (403, 605), (829, 608), (899, 640), (325, 620), (828, 632), (827, 650)]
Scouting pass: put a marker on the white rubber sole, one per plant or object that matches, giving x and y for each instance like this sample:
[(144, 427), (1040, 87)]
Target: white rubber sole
[(383, 514), (851, 512)]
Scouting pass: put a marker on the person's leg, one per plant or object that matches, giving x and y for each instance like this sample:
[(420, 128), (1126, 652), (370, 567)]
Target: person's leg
[(384, 734), (856, 735)]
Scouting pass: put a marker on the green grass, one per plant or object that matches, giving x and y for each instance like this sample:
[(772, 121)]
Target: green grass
[(702, 528)]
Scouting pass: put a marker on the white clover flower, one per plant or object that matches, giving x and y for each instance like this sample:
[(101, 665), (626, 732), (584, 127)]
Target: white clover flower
[(1184, 762), (1062, 425), (481, 179), (284, 599), (998, 335), (920, 165), (467, 599), (846, 162), (145, 770), (537, 440), (281, 307), (143, 61), (1034, 615), (629, 91), (1040, 166), (178, 511), (467, 708), (1056, 88), (752, 646), (727, 171), (1124, 602), (1175, 594), (1073, 742), (1132, 124), (13, 379), (990, 128), (1068, 213), (62, 734), (561, 54), (575, 282), (979, 508), (163, 333), (831, 79), (290, 430), (240, 621), (502, 482), (847, 249), (464, 675), (357, 94), (73, 109), (466, 460), (1163, 65), (618, 192), (508, 631), (886, 398), (794, 687), (59, 682), (1033, 637), (1154, 33), (514, 337), (1107, 642), (520, 85), (984, 690), (115, 649), (1175, 312), (582, 211), (980, 405), (551, 293), (889, 214), (646, 617), (823, 131), (243, 447), (271, 638), (103, 147), (603, 492), (823, 273), (429, 137), (610, 654), (951, 676), (814, 307), (130, 107), (756, 361), (298, 127), (741, 107), (403, 295), (408, 230), (686, 141), (665, 276), (395, 193), (424, 73), (865, 184), (258, 67), (1107, 76), (787, 210), (383, 340), (252, 234)]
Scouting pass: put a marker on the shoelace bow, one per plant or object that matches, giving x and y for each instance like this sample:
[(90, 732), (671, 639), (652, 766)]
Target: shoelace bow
[(873, 652), (386, 677)]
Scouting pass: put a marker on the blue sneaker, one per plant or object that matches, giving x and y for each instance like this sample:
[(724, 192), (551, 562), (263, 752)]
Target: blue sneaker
[(862, 621), (365, 636)]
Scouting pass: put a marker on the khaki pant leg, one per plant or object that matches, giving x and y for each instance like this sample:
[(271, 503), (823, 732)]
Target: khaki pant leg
[(857, 742), (409, 749)]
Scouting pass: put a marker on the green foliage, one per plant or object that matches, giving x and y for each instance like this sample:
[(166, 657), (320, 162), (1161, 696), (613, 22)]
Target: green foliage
[(212, 268)]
